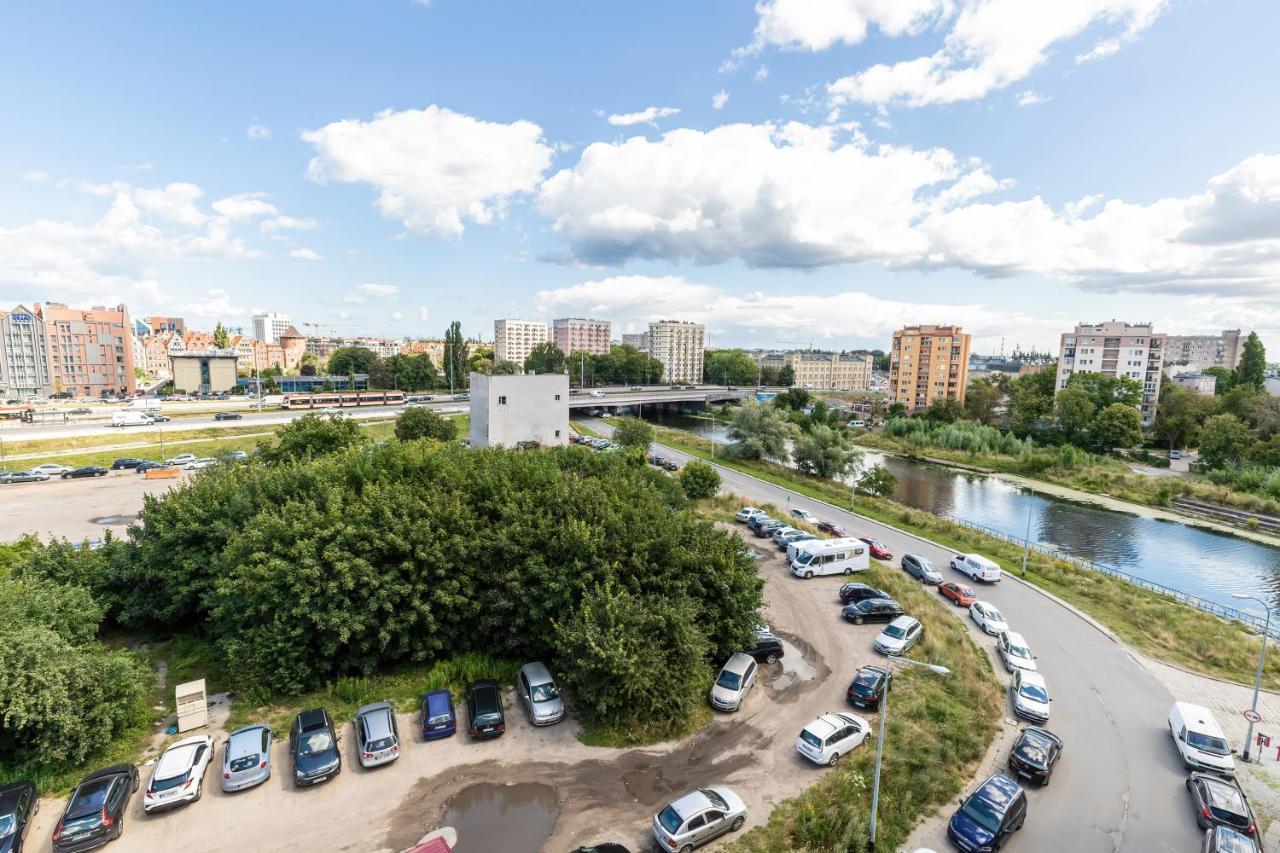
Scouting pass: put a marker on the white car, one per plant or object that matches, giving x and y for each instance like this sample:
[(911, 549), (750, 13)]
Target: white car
[(747, 513), (51, 468), (197, 464), (181, 459), (831, 736), (804, 515), (899, 636), (988, 618), (977, 567), (1030, 696), (1015, 652), (179, 774)]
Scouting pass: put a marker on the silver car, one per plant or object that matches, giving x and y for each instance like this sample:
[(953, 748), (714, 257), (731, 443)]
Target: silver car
[(697, 818), (246, 758), (537, 690), (377, 738), (733, 682)]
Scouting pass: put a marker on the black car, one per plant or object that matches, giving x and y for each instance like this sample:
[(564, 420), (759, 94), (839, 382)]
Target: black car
[(852, 593), (313, 746), (872, 610), (86, 471), (671, 464), (484, 710), (766, 529), (768, 649), (125, 464), (95, 810), (1034, 753), (19, 802), (753, 523), (159, 419), (607, 847), (1223, 839), (1220, 802), (147, 465), (227, 416), (832, 528), (869, 685)]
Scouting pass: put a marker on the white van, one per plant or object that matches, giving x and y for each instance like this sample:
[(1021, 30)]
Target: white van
[(129, 418), (830, 557), (794, 549), (977, 567), (1199, 740)]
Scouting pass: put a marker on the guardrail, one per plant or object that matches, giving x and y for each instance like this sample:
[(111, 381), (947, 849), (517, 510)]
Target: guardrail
[(1257, 623)]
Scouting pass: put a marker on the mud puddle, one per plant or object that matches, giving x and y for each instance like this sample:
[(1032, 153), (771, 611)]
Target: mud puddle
[(796, 668), (114, 519), (511, 818)]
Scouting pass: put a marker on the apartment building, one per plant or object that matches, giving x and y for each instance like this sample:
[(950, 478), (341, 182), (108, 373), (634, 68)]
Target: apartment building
[(90, 354), (678, 345), (269, 326), (577, 334), (846, 371), (1203, 351), (928, 363), (639, 340), (1115, 348), (513, 339), (24, 355), (165, 325)]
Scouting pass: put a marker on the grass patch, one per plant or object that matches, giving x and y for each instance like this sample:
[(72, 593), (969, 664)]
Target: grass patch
[(583, 429), (600, 734), (125, 435)]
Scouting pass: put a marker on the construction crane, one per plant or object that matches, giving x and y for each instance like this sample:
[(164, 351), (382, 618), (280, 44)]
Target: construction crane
[(796, 344)]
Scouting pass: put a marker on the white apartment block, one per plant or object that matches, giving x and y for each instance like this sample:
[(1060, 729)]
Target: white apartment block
[(678, 345), (639, 340), (1203, 351), (1113, 349), (515, 411), (513, 340), (269, 326), (577, 334)]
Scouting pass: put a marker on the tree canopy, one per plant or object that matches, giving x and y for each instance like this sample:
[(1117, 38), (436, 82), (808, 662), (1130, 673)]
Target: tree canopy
[(825, 452), (347, 360), (1253, 363), (760, 432), (728, 367), (310, 436), (632, 433), (417, 423), (546, 357)]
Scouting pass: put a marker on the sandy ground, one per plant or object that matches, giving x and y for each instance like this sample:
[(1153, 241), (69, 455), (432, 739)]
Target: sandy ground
[(67, 508)]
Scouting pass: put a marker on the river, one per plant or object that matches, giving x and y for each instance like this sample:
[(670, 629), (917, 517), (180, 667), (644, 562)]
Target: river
[(1203, 562)]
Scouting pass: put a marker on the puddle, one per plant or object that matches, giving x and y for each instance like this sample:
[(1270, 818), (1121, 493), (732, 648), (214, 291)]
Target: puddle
[(511, 818), (646, 785), (114, 519), (796, 668)]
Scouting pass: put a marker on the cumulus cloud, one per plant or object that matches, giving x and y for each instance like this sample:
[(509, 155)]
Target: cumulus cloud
[(379, 291), (762, 73), (258, 132), (216, 304), (719, 99), (175, 202), (649, 115), (37, 175), (433, 168), (289, 223), (244, 206), (1029, 98), (818, 24), (306, 255)]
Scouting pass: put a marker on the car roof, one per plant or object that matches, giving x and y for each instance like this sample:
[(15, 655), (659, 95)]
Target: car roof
[(109, 772), (691, 804), (1013, 638), (245, 741), (999, 790), (536, 672), (826, 724), (178, 758), (438, 701), (1033, 678), (9, 794), (312, 719), (1223, 794), (986, 606), (904, 621), (377, 719), (870, 671), (1041, 735), (738, 662)]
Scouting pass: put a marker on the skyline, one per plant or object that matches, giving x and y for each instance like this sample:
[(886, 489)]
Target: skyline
[(827, 170)]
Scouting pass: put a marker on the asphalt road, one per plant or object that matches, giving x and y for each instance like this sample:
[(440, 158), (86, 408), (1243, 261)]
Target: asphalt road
[(1120, 783)]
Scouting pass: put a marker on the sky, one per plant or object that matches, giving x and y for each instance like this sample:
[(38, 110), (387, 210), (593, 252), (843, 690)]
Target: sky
[(789, 172)]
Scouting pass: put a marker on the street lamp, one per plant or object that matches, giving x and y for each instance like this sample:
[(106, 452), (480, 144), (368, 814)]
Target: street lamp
[(1257, 682), (884, 706)]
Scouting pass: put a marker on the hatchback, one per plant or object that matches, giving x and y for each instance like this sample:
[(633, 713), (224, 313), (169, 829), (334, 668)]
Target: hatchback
[(484, 710), (178, 777), (96, 809), (1015, 652), (1222, 839), (246, 758), (852, 593), (878, 549), (697, 818), (987, 617), (959, 594), (1220, 802), (736, 677), (540, 695), (438, 717), (899, 636), (377, 736), (86, 471), (779, 536), (868, 687), (920, 569), (831, 736), (1034, 754), (313, 745), (19, 802), (989, 815), (832, 528), (872, 610), (1030, 696)]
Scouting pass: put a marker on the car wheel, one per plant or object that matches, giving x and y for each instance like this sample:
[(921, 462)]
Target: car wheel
[(858, 620), (808, 576), (771, 658), (737, 823), (688, 848), (848, 571), (833, 760)]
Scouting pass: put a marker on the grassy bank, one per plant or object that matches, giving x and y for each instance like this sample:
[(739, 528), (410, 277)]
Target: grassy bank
[(1151, 623)]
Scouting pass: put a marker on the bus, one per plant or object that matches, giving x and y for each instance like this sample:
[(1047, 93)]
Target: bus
[(342, 399)]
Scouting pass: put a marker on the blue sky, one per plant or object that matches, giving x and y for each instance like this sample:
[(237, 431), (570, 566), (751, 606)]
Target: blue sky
[(386, 167)]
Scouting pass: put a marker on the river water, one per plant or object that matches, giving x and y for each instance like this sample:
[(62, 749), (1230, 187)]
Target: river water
[(1202, 562)]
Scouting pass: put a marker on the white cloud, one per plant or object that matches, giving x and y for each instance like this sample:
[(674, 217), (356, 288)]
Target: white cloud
[(306, 255), (397, 315), (433, 168), (175, 202), (141, 167), (258, 132), (352, 299), (38, 176), (1030, 97), (289, 223), (244, 206), (648, 115), (719, 99), (379, 291), (762, 73), (215, 305), (423, 314), (819, 24)]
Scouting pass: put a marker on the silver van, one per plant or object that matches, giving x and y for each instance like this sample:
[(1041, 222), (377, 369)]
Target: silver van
[(246, 758), (735, 679), (540, 695), (377, 738)]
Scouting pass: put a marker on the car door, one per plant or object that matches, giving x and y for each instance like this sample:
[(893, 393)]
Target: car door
[(716, 825), (750, 678), (199, 763), (913, 634), (694, 831), (22, 814), (526, 695)]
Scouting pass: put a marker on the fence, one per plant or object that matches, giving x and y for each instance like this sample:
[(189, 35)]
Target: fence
[(1257, 623)]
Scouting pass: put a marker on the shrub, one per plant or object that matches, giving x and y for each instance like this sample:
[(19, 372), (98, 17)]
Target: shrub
[(699, 480), (310, 436), (418, 423), (632, 433), (877, 480)]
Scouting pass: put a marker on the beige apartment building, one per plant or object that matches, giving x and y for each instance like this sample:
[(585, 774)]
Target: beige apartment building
[(90, 354), (928, 363), (845, 371), (577, 334), (1203, 351), (513, 339), (203, 371), (678, 345), (1115, 348)]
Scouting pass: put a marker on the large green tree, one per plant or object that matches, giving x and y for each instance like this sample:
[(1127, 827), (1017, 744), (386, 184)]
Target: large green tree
[(825, 452), (728, 367), (699, 480), (981, 399), (1225, 440), (944, 410), (1253, 363), (310, 436), (1179, 415), (404, 372), (546, 357), (1118, 425), (1031, 399), (347, 360), (221, 339), (632, 433), (760, 432), (1224, 379), (418, 422), (1104, 390), (1074, 409), (503, 367), (455, 370)]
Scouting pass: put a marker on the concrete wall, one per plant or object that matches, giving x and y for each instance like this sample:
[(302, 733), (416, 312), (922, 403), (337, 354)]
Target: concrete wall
[(506, 410)]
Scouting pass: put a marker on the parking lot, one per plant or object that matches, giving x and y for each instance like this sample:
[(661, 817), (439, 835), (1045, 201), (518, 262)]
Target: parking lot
[(68, 508)]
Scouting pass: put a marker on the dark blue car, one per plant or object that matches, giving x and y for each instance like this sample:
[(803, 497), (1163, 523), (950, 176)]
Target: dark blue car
[(989, 815), (438, 717)]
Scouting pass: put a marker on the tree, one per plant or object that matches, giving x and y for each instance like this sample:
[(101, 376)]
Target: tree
[(1224, 441), (1031, 399), (1105, 390), (1253, 363), (1074, 409), (879, 360), (1263, 412), (793, 399), (221, 339), (309, 364), (768, 375), (825, 452), (632, 433), (546, 357), (981, 399), (944, 410), (878, 481), (897, 410), (786, 375), (759, 432), (621, 365), (417, 423), (728, 367), (699, 480), (1224, 379), (455, 357), (1179, 415), (310, 436), (348, 360), (504, 368), (1117, 425)]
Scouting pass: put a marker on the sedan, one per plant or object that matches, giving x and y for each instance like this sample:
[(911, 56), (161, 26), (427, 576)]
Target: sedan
[(484, 710), (869, 685), (227, 416), (313, 745), (872, 610), (958, 593), (86, 471), (987, 617), (1220, 802), (697, 818), (832, 528), (852, 593), (52, 469), (24, 477), (878, 549), (804, 515), (377, 737), (148, 465), (125, 464), (831, 736), (246, 758), (747, 513), (179, 775), (96, 808), (1034, 754), (19, 801), (921, 569), (1030, 696)]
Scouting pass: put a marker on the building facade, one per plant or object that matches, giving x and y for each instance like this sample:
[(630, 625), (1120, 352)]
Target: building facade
[(512, 411), (678, 345), (513, 340), (639, 340), (1115, 348), (90, 353), (576, 334), (1203, 351), (24, 355), (269, 326), (844, 371), (928, 363), (166, 325), (203, 371), (1198, 382)]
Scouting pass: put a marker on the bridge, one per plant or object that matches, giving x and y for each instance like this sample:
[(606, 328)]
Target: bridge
[(619, 398)]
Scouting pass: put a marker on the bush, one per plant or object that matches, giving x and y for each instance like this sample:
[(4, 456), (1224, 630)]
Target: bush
[(310, 436), (632, 433), (877, 480), (417, 423), (699, 480)]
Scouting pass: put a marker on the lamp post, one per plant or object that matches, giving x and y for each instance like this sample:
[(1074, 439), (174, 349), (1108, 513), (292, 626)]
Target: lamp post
[(1257, 682), (884, 707), (1026, 543)]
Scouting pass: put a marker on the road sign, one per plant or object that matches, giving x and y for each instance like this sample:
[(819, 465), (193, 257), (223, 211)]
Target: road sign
[(1253, 716)]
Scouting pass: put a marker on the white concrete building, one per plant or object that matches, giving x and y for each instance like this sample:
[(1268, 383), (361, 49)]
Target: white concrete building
[(678, 344), (513, 340), (1201, 351), (24, 354), (269, 326), (1115, 348), (511, 410)]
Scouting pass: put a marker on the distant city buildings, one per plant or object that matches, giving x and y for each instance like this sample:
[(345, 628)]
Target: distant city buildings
[(820, 369), (24, 355), (1113, 349), (678, 345), (268, 326), (164, 325), (203, 371), (1203, 351), (577, 334), (514, 339), (90, 351), (1199, 382), (519, 411), (323, 347), (639, 340), (928, 363)]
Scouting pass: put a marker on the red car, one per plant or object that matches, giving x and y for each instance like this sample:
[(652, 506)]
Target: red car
[(959, 594), (832, 528), (877, 548)]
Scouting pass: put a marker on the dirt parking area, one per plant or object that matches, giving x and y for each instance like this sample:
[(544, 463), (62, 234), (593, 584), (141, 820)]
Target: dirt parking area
[(76, 509)]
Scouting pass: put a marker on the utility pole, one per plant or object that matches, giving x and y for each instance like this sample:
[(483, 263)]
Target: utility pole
[(1026, 542)]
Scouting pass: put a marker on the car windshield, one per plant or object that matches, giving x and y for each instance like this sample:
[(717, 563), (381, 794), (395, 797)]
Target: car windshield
[(545, 692), (6, 825), (1226, 803), (716, 800), (89, 801), (866, 682), (170, 783), (315, 742), (993, 615), (1020, 651), (805, 558), (669, 819), (1034, 691), (244, 762), (811, 739), (895, 631), (439, 719), (729, 680), (1208, 743), (981, 813)]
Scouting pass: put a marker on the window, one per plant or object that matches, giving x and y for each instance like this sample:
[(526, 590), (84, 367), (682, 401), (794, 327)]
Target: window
[(557, 396), (557, 433), (502, 401)]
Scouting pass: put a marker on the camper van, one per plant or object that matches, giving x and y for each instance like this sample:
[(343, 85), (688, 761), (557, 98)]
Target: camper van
[(830, 557), (129, 418), (794, 548), (1199, 740)]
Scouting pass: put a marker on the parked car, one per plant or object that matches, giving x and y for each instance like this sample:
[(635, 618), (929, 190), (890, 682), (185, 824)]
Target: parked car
[(227, 416), (736, 677), (767, 649), (921, 569), (24, 477), (957, 593), (313, 746), (178, 777), (1175, 454), (878, 549), (804, 515), (697, 818), (1030, 696), (237, 456), (125, 464), (377, 736), (872, 610), (1015, 652), (52, 469), (869, 685), (747, 513), (540, 695), (19, 802), (96, 808), (765, 528), (484, 710), (831, 736), (1220, 802), (180, 459), (852, 593), (86, 471), (988, 816), (148, 465), (1199, 739), (832, 528), (246, 757), (779, 535), (977, 567), (754, 522), (1034, 754), (1222, 839), (608, 846), (899, 636), (987, 617), (203, 462), (670, 465), (797, 536), (439, 720)]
